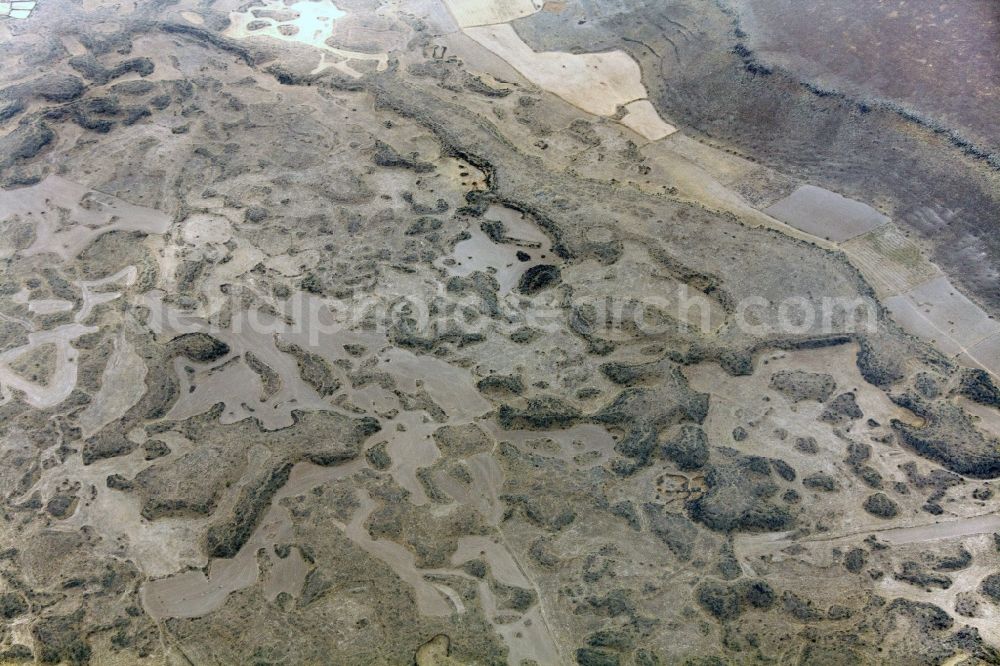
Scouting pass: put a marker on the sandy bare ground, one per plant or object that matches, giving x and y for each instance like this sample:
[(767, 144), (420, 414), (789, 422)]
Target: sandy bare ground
[(583, 445), (973, 533), (749, 402), (950, 529), (58, 387), (235, 384), (502, 564), (528, 638), (49, 306), (480, 253), (69, 216), (122, 385), (115, 516), (752, 545), (429, 598), (63, 379), (483, 493), (192, 593)]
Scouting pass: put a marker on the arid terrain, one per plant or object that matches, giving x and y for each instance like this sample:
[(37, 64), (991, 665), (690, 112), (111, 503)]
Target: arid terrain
[(454, 332)]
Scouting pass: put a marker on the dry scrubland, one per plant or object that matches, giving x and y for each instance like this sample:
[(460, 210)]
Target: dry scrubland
[(484, 463)]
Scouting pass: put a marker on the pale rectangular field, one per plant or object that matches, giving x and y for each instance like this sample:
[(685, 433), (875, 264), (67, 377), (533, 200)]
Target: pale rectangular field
[(826, 214), (641, 117), (938, 312), (891, 262), (470, 13), (598, 83), (986, 353)]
